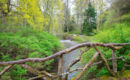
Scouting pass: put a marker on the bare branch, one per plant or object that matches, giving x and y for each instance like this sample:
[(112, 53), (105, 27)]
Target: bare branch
[(77, 69), (75, 61), (5, 69), (105, 61), (33, 78), (30, 69), (86, 67), (36, 72)]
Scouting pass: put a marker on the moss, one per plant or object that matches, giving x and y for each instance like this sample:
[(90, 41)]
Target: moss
[(125, 74), (106, 77)]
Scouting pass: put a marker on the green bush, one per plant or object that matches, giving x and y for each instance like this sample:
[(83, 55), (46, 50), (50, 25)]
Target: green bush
[(118, 33), (77, 38), (27, 43)]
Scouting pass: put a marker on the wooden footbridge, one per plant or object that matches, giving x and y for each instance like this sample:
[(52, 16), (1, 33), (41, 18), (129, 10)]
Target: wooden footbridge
[(64, 76)]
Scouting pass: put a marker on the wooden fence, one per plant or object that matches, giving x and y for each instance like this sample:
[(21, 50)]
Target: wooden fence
[(59, 76)]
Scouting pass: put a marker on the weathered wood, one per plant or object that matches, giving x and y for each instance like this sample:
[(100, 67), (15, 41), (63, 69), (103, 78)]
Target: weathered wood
[(75, 61), (37, 72), (21, 61), (77, 69), (33, 78), (60, 53), (114, 62), (96, 63), (5, 69), (86, 67), (125, 65), (30, 69), (105, 61), (60, 67)]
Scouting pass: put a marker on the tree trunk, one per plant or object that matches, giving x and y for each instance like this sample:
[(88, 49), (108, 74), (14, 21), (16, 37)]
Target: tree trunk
[(2, 17)]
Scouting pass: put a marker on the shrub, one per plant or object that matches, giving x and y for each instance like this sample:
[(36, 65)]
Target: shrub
[(27, 43), (118, 33)]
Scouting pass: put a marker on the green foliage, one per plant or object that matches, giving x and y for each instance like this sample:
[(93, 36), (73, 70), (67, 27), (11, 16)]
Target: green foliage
[(102, 71), (27, 43), (89, 23), (124, 75), (18, 72), (78, 38), (117, 33), (125, 18), (30, 13), (69, 25)]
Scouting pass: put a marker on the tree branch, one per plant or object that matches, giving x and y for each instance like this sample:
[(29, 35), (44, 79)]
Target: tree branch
[(105, 61), (36, 72), (75, 61), (86, 67), (5, 69)]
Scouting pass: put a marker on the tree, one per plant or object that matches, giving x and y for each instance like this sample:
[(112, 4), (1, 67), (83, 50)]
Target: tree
[(52, 11), (116, 12), (4, 9), (66, 18), (80, 5), (89, 23)]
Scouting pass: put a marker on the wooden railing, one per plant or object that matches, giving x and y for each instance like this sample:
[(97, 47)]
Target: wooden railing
[(64, 76)]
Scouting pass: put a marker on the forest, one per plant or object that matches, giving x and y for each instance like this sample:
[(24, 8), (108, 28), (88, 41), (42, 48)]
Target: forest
[(40, 29)]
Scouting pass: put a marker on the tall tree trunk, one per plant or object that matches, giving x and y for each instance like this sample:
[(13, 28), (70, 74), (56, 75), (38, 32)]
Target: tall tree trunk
[(2, 17)]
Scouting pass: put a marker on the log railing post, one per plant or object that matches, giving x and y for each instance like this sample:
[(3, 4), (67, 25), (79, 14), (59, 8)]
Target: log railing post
[(105, 61), (114, 61), (75, 61), (60, 67), (86, 67)]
